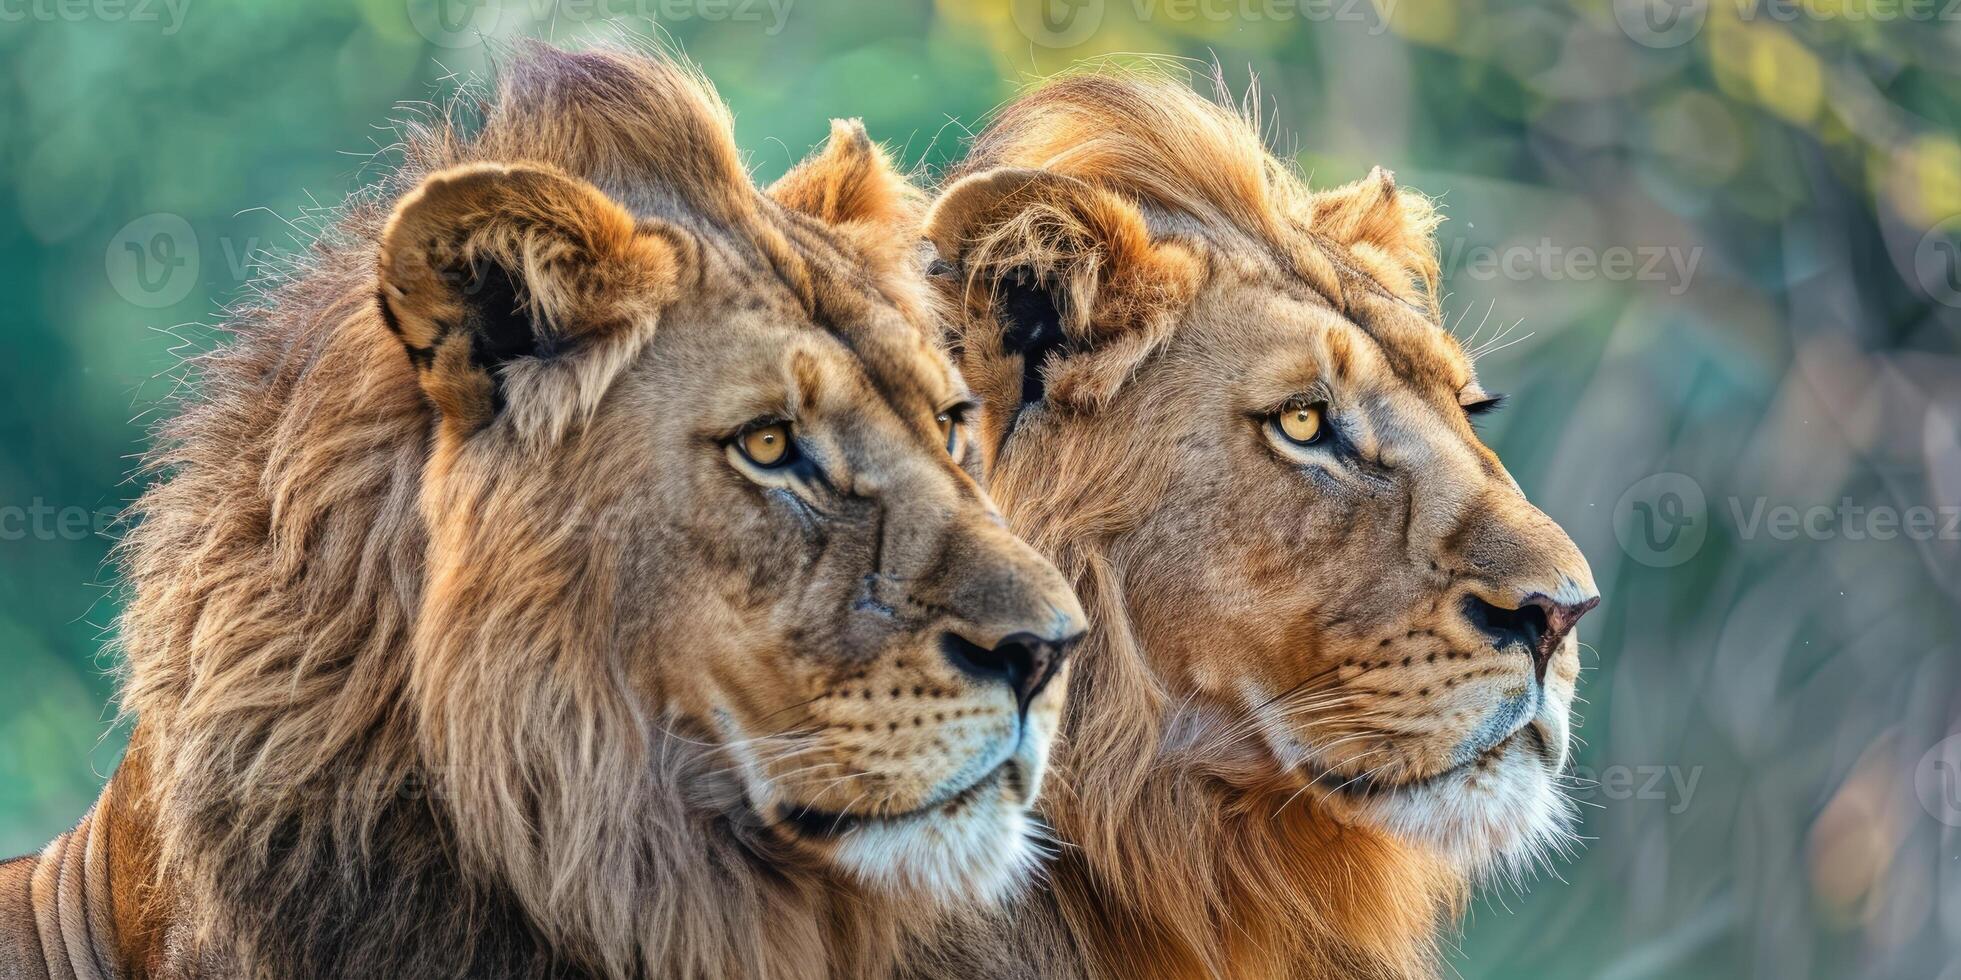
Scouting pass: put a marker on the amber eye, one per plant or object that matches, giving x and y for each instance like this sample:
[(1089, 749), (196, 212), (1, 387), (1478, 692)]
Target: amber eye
[(1301, 424), (952, 433), (767, 445)]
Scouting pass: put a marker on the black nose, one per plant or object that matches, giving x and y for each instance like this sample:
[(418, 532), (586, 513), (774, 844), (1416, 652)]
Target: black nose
[(1538, 625), (1023, 661)]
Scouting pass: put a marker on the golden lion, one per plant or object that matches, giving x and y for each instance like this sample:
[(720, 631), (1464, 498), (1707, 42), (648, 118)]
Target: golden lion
[(1333, 653), (641, 621)]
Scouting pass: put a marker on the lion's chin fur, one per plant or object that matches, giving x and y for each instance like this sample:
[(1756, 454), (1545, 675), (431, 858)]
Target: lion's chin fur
[(1504, 828), (985, 861)]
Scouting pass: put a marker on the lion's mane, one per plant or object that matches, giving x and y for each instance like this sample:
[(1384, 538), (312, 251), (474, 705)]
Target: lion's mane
[(275, 570)]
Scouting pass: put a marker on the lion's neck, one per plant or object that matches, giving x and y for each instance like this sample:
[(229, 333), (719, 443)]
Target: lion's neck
[(1186, 860), (1197, 878)]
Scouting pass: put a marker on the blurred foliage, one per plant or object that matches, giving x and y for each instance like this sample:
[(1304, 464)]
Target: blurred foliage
[(1782, 178)]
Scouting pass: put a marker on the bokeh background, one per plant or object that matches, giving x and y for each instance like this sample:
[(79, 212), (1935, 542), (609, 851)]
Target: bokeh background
[(1721, 235)]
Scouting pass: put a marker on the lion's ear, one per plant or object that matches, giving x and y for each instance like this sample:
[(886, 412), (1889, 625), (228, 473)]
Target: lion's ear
[(1064, 276), (849, 181), (488, 269), (1389, 230)]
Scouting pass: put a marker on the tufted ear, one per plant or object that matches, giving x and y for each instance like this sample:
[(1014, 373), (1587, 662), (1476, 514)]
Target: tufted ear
[(849, 181), (1390, 231), (1062, 275), (492, 274)]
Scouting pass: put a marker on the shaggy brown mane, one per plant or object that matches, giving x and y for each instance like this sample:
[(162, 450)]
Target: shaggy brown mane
[(1186, 854), (1153, 140), (275, 570)]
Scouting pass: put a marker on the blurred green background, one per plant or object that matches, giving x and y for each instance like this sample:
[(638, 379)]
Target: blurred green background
[(1722, 234)]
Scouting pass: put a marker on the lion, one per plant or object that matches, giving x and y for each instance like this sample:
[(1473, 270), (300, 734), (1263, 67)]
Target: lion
[(575, 570), (1332, 658)]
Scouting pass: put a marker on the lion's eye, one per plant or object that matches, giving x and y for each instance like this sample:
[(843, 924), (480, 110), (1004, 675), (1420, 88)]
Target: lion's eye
[(768, 445), (952, 433), (1302, 425)]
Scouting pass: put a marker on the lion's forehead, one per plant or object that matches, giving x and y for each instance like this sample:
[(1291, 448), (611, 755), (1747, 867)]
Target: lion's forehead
[(1420, 353), (1369, 341), (814, 320), (817, 282)]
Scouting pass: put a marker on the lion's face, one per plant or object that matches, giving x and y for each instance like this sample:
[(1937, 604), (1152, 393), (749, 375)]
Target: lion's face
[(1313, 547), (738, 558), (1339, 564), (820, 587)]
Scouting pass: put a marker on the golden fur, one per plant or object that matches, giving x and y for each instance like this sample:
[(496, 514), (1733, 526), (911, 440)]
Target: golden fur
[(1289, 744), (499, 659)]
